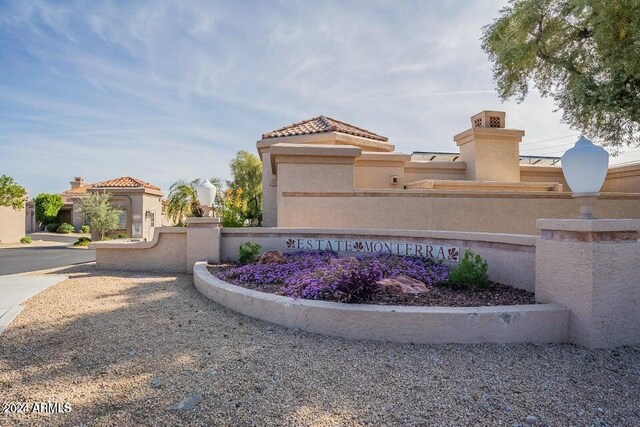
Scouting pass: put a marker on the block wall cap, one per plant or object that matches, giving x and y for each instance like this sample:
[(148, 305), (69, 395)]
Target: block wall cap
[(116, 244), (382, 157), (315, 150), (589, 225), (489, 134), (203, 220)]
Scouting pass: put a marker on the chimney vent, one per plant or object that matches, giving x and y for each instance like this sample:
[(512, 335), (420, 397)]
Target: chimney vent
[(488, 119)]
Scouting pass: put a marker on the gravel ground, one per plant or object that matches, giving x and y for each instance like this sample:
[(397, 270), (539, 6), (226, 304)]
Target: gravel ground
[(123, 348)]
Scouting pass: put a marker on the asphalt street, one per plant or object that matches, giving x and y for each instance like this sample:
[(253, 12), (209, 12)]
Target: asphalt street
[(21, 260)]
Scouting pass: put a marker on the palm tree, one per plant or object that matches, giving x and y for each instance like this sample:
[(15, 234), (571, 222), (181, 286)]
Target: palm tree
[(183, 201)]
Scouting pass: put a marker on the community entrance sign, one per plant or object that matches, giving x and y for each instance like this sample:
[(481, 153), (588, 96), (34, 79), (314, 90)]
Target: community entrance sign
[(419, 249)]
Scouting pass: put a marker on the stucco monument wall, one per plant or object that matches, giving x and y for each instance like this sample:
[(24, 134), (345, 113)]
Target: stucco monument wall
[(511, 257)]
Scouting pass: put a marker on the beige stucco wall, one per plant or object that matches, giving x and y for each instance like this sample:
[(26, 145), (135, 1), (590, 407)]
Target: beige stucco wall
[(12, 224), (491, 154), (533, 173), (592, 267), (269, 193), (623, 178), (166, 252), (524, 323), (511, 258), (151, 203), (375, 170), (492, 212), (417, 170)]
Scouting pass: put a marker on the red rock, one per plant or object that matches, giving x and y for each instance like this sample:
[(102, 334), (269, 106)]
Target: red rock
[(272, 257), (403, 285)]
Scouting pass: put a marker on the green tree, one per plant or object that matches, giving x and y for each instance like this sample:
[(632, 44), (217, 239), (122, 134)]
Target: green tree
[(220, 192), (11, 194), (47, 207), (100, 215), (582, 53), (246, 169), (183, 201)]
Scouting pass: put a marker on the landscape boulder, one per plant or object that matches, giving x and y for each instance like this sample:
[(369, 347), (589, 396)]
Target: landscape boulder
[(272, 257), (403, 285)]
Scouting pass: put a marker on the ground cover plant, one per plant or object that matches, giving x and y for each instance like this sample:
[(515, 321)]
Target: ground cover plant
[(52, 227), (323, 275), (26, 240), (82, 241), (248, 252), (65, 228)]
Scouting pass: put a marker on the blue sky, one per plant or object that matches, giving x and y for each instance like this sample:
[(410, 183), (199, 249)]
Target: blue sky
[(163, 90)]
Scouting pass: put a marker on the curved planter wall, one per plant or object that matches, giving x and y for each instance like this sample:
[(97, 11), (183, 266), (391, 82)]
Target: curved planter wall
[(420, 325)]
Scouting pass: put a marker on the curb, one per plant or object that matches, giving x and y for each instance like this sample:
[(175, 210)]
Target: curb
[(541, 323)]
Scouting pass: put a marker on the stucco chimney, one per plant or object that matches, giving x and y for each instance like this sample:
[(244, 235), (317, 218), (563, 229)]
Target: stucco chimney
[(491, 151), (77, 182)]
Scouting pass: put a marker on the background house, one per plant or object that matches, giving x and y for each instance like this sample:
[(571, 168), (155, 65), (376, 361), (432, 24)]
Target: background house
[(141, 204)]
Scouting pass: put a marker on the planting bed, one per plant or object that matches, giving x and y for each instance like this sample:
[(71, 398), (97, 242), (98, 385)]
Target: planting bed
[(325, 276)]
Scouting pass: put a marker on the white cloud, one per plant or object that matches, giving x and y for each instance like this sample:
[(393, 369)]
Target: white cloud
[(165, 89)]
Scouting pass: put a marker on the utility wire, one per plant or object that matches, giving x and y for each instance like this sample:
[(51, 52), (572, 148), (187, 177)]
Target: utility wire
[(550, 139)]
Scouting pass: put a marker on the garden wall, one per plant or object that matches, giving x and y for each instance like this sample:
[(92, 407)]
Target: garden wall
[(12, 224), (167, 252), (511, 257), (419, 325)]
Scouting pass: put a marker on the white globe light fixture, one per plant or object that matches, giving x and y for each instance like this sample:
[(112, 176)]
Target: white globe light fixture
[(585, 167), (206, 193)]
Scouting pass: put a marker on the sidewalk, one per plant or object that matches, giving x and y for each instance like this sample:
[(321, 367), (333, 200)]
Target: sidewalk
[(15, 289)]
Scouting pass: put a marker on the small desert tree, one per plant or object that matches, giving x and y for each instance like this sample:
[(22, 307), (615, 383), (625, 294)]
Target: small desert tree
[(47, 207), (100, 215), (11, 194)]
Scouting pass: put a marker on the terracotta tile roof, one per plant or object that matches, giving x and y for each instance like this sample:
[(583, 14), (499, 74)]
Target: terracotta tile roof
[(78, 190), (124, 182), (322, 124)]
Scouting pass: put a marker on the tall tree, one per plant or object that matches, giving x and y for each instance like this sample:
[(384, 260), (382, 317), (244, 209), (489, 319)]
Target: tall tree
[(99, 214), (11, 194), (246, 169), (582, 53), (220, 192), (47, 207)]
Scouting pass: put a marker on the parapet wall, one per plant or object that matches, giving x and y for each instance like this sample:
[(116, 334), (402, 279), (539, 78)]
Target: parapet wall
[(472, 211)]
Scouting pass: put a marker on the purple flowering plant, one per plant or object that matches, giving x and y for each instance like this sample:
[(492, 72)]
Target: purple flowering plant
[(323, 275)]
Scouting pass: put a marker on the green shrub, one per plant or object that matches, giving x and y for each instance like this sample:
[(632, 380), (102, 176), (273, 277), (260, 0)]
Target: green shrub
[(471, 273), (85, 229), (52, 227), (25, 240), (249, 252), (82, 241), (121, 236), (65, 228)]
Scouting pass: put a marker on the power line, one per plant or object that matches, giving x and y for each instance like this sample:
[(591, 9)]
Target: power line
[(550, 139), (551, 146)]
